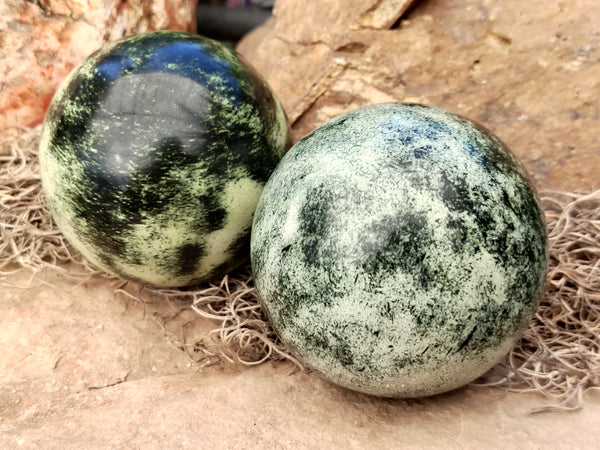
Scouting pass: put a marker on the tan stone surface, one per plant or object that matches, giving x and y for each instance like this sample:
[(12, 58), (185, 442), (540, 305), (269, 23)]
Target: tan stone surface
[(40, 42), (80, 369), (529, 71)]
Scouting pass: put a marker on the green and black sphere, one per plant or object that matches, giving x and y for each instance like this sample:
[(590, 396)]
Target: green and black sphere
[(154, 154), (399, 250)]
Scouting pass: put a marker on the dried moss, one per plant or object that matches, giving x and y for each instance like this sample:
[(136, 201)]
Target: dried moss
[(558, 356)]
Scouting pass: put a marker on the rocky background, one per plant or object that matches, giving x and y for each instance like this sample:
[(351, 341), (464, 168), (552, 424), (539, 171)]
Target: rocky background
[(528, 71), (83, 368)]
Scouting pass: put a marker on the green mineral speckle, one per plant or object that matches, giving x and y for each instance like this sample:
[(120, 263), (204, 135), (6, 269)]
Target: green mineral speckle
[(399, 250), (154, 154)]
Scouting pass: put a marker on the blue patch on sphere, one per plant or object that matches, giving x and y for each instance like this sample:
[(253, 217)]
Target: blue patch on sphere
[(154, 153), (399, 250)]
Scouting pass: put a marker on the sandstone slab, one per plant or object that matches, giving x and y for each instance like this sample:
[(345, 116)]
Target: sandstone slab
[(529, 72), (82, 369)]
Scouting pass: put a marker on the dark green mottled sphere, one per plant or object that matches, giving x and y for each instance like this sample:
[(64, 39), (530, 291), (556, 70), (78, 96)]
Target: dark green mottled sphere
[(154, 154), (399, 250)]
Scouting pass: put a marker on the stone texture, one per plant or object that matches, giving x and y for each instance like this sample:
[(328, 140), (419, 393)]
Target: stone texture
[(529, 72), (178, 210), (384, 13), (384, 258), (40, 42), (80, 369)]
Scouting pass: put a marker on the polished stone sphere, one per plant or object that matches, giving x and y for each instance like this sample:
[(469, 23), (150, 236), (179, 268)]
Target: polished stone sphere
[(154, 154), (399, 250)]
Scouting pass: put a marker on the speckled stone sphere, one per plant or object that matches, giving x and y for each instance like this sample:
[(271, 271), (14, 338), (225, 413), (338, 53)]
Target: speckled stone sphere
[(399, 250), (154, 154)]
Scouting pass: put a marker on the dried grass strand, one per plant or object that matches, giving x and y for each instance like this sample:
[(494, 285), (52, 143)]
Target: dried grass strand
[(29, 237), (558, 356)]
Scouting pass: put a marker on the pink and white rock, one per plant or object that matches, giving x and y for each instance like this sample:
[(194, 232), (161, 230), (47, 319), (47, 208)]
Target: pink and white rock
[(40, 42)]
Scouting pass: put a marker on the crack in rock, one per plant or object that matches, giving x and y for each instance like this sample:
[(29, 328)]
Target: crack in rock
[(114, 383)]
